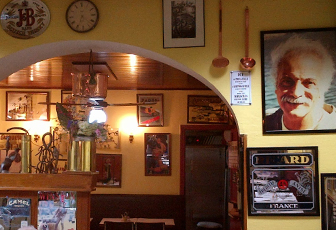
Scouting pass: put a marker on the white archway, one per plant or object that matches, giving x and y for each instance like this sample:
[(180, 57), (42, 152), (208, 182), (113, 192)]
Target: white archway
[(23, 58)]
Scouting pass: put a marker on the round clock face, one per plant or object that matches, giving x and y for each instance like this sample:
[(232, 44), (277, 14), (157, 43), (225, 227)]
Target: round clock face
[(82, 16)]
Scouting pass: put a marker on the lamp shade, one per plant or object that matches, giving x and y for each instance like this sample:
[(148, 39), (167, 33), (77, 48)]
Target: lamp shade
[(97, 114)]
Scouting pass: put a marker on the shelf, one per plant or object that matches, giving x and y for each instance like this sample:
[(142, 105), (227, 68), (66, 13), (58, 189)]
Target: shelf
[(81, 182)]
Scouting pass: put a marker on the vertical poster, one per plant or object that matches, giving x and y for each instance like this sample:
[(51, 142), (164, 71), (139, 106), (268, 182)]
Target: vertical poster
[(241, 88)]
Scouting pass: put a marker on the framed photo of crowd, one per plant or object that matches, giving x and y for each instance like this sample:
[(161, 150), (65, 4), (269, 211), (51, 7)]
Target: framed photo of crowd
[(298, 80)]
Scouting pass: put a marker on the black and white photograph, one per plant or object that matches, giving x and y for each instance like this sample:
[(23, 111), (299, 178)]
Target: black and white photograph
[(183, 23)]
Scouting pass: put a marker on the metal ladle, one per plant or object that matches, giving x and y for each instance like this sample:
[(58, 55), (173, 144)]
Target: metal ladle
[(247, 62), (220, 61)]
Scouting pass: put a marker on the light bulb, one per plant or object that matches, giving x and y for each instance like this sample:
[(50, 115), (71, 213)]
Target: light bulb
[(98, 115)]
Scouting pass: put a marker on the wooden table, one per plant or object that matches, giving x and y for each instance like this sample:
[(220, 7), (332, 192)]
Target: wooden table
[(168, 222)]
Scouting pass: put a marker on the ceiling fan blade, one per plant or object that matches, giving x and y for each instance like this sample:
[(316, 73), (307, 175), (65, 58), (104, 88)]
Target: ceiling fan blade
[(55, 103), (132, 104)]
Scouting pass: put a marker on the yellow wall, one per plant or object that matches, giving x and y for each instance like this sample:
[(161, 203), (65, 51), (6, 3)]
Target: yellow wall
[(139, 23)]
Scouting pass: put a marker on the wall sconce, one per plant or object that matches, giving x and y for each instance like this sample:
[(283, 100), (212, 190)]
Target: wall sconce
[(36, 137), (131, 138)]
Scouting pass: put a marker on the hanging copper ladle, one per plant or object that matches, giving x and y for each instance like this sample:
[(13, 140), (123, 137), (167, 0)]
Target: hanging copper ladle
[(220, 61), (247, 62)]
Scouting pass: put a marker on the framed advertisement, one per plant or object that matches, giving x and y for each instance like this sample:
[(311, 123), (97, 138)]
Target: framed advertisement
[(283, 181), (25, 106), (150, 115), (157, 154), (328, 199), (291, 105), (207, 109), (109, 167), (183, 23)]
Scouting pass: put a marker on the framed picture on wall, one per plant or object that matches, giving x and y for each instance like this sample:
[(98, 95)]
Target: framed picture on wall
[(183, 23), (328, 199), (157, 154), (207, 109), (24, 106), (109, 167), (298, 80), (283, 181), (151, 114)]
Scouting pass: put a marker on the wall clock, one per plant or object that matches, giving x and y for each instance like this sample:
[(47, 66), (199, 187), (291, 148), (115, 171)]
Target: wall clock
[(82, 16)]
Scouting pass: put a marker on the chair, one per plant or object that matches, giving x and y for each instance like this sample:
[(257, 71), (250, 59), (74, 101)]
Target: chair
[(109, 225), (149, 226)]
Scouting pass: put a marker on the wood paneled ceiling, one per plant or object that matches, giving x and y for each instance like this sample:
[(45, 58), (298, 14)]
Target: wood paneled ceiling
[(141, 74)]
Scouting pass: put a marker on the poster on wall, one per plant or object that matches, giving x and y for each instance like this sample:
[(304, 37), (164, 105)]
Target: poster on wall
[(283, 181), (14, 213), (298, 80), (328, 199)]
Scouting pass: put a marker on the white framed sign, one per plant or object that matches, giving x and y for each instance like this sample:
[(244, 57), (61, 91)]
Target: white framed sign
[(241, 88)]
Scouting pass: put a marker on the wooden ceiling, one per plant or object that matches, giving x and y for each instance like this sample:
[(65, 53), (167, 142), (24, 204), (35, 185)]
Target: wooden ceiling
[(141, 74)]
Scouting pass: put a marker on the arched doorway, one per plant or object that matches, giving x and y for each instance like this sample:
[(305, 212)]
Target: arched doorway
[(29, 56)]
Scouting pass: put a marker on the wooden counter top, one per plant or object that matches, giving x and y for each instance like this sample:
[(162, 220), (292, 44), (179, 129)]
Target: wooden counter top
[(68, 181)]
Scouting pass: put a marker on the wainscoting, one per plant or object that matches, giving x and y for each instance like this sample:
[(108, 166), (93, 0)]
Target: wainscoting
[(138, 206)]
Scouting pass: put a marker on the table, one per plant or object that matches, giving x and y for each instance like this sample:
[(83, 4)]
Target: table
[(168, 222)]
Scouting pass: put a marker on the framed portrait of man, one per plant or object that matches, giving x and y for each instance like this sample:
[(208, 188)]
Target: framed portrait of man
[(298, 80)]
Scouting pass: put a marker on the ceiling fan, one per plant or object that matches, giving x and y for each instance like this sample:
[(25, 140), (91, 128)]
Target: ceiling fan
[(91, 88)]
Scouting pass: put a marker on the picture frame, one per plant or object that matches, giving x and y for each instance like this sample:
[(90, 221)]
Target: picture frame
[(283, 181), (24, 106), (157, 154), (328, 199), (183, 23), (14, 141), (150, 115), (65, 94), (109, 167), (274, 47), (203, 109)]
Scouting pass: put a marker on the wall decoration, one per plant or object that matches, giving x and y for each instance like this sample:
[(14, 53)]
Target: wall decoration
[(283, 181), (113, 139), (183, 23), (25, 19), (328, 199), (150, 115), (24, 106), (241, 88), (290, 105), (207, 109), (15, 212), (10, 145), (157, 154), (109, 168)]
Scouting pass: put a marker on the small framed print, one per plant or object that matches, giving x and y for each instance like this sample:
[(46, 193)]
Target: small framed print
[(25, 106), (207, 109), (150, 115), (109, 167), (183, 23), (283, 181), (328, 199), (157, 154)]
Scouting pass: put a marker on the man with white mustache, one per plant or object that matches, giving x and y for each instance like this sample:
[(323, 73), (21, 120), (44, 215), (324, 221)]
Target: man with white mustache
[(304, 70)]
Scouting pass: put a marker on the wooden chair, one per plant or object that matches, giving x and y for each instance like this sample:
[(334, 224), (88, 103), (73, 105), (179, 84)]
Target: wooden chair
[(149, 226), (109, 225)]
